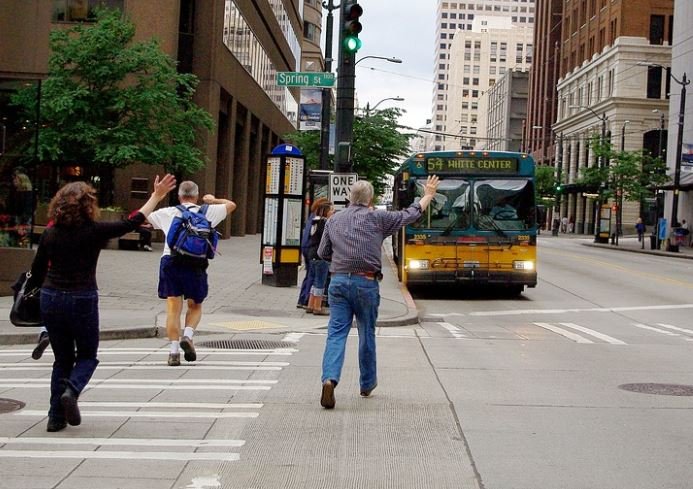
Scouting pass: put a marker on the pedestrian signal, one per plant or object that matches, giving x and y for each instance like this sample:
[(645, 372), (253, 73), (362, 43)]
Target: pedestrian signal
[(351, 27)]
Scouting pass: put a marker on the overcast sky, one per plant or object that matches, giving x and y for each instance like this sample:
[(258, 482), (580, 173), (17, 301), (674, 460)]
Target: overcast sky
[(403, 29)]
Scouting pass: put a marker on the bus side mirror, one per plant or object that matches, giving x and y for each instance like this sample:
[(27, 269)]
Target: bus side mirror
[(406, 193)]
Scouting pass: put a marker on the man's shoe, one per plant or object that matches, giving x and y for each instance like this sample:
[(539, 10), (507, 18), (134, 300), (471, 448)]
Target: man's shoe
[(367, 392), (69, 402), (174, 359), (41, 346), (187, 345), (147, 248), (55, 425), (327, 398)]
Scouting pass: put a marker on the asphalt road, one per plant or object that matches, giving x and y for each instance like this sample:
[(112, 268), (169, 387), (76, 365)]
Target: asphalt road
[(486, 392), (538, 382)]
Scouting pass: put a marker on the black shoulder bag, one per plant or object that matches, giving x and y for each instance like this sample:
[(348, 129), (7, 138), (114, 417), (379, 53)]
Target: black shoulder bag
[(26, 310)]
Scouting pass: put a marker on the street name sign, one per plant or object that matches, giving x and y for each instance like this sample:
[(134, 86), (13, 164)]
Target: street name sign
[(340, 186), (306, 79)]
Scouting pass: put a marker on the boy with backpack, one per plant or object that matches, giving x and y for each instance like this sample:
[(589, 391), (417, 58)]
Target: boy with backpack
[(190, 242)]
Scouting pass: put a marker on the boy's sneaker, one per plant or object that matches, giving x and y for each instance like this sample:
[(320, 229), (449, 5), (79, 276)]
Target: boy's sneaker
[(41, 346), (174, 359), (189, 349), (147, 248)]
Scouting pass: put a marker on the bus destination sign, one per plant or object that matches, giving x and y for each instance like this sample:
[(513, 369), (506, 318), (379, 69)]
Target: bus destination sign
[(472, 165)]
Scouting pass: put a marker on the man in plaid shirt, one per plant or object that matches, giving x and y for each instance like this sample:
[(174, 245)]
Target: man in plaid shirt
[(352, 241)]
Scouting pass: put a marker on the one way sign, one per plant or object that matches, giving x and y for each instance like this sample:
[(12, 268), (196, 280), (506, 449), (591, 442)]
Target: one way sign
[(340, 186)]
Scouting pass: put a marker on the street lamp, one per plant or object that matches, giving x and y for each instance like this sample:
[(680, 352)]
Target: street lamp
[(602, 165), (391, 59), (679, 145), (368, 106)]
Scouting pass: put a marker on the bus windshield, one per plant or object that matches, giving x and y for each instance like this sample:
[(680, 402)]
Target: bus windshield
[(503, 204), (450, 207)]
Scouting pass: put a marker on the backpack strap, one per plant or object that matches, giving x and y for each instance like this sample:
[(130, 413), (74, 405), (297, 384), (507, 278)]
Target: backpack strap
[(181, 208), (203, 209)]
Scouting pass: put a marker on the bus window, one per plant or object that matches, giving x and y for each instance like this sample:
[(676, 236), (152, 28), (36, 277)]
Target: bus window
[(449, 209), (503, 205)]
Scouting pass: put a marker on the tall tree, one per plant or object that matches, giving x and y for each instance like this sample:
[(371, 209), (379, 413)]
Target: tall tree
[(109, 102), (380, 144)]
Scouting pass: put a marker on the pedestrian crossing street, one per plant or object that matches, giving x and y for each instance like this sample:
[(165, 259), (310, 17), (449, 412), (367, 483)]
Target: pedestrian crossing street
[(573, 332), (134, 385)]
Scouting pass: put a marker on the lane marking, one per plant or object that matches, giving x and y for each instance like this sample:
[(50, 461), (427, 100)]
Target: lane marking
[(176, 456), (596, 334), (191, 405), (137, 442), (657, 330), (568, 334), (675, 328), (454, 330), (592, 309), (144, 414), (49, 353)]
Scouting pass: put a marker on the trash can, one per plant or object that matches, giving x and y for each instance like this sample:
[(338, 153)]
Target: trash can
[(653, 242)]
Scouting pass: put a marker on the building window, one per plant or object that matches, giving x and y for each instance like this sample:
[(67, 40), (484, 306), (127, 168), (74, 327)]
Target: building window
[(654, 82), (657, 29), (81, 10), (311, 32)]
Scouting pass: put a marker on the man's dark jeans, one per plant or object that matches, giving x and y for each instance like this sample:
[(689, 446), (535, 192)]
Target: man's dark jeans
[(72, 321)]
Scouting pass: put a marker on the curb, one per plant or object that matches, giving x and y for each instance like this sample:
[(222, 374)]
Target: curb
[(641, 251), (104, 335)]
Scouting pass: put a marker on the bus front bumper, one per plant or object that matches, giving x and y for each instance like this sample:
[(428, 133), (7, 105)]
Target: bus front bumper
[(472, 275)]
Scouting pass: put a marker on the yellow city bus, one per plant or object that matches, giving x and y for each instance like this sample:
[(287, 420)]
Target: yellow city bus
[(480, 227)]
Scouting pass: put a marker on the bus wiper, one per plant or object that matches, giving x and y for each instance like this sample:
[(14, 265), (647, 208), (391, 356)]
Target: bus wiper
[(450, 227), (495, 226)]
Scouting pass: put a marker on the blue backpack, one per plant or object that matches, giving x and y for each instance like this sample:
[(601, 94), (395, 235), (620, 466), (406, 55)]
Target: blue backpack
[(192, 236)]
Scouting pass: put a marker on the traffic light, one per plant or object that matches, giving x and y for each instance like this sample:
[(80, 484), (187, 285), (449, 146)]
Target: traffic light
[(351, 26), (558, 188)]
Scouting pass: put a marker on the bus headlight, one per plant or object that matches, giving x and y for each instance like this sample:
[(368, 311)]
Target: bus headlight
[(418, 264), (523, 265)]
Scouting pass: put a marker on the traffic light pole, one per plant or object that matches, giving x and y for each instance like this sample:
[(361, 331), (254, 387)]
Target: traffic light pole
[(346, 82), (326, 92)]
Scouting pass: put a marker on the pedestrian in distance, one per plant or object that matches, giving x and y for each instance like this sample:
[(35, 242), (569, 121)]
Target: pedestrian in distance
[(304, 294), (352, 241), (640, 228), (65, 268), (564, 224), (319, 268), (182, 278)]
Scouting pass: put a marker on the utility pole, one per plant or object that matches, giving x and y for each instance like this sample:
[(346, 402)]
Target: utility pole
[(326, 92), (556, 224)]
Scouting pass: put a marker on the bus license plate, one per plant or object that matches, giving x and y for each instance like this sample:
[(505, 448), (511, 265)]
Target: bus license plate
[(471, 264)]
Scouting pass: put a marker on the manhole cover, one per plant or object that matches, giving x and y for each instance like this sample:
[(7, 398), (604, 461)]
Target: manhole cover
[(245, 344), (9, 405), (659, 389)]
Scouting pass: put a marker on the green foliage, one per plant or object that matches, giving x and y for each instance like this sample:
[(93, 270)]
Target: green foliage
[(630, 173), (545, 178), (377, 150), (110, 102)]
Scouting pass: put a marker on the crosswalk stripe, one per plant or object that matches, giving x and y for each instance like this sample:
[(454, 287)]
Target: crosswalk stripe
[(47, 367), (454, 330), (206, 363), (596, 334), (152, 386), (200, 352), (145, 414), (675, 328), (101, 454), (176, 405), (568, 334), (133, 442), (657, 330), (147, 381)]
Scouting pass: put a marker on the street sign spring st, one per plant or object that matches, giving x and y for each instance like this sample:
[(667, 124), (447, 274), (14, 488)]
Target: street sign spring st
[(305, 79)]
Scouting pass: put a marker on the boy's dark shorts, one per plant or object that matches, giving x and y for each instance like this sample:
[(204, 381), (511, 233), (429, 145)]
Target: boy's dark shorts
[(177, 280)]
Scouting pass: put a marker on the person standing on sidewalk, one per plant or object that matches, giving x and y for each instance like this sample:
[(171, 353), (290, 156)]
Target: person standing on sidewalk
[(304, 294), (179, 279), (65, 268), (319, 268), (352, 241)]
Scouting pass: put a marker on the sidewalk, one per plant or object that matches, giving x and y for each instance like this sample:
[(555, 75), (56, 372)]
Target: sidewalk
[(627, 243), (237, 301)]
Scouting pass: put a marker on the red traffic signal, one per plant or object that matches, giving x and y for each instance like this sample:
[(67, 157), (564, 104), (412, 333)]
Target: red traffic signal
[(350, 19)]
